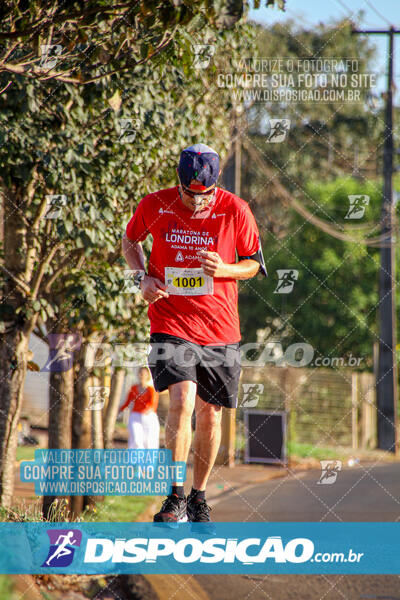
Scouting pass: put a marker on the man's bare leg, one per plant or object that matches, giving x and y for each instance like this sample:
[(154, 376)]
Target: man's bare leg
[(178, 436), (206, 441), (178, 430)]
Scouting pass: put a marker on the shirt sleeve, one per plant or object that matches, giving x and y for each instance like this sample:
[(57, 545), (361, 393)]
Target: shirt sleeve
[(137, 230), (248, 244), (128, 399), (155, 400)]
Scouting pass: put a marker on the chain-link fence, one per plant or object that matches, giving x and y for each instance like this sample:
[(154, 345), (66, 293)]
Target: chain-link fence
[(325, 407)]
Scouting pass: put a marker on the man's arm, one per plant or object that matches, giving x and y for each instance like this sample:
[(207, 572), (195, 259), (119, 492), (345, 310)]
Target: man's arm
[(126, 403), (152, 288), (133, 253), (214, 266)]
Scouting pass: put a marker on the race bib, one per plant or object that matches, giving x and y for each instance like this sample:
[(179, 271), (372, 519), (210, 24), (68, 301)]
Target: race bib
[(188, 282)]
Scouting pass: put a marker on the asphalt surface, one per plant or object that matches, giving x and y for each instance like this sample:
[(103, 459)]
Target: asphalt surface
[(363, 493)]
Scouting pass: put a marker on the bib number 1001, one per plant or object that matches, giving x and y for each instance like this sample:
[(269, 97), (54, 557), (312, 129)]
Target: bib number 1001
[(188, 282)]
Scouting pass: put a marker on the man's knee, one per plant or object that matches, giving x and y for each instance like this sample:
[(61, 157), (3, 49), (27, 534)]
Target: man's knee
[(208, 415), (181, 402)]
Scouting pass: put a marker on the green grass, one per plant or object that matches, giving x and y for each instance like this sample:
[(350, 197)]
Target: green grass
[(113, 508), (311, 451), (6, 588), (118, 508), (26, 452)]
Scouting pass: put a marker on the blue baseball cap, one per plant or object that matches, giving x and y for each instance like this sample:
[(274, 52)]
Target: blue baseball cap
[(201, 163)]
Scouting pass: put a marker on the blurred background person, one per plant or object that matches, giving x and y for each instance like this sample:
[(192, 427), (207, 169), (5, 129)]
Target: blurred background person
[(143, 426)]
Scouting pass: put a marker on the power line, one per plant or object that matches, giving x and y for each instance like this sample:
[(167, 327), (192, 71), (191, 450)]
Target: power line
[(376, 11), (346, 8), (287, 198)]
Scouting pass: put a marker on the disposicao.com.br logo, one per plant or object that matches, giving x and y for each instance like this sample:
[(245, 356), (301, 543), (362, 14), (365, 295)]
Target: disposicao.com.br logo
[(219, 548), (212, 550)]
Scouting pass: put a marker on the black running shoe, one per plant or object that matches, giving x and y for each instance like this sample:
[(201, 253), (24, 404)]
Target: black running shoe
[(173, 510), (198, 511)]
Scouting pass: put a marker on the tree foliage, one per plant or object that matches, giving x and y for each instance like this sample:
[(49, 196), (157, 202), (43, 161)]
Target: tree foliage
[(333, 150), (334, 302), (97, 38), (98, 149), (326, 139)]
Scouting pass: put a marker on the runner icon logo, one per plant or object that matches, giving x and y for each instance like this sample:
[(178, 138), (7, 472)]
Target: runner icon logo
[(287, 278), (251, 394), (357, 206), (49, 55), (277, 130), (97, 397), (203, 54), (63, 543), (61, 351), (131, 281), (54, 206), (330, 470)]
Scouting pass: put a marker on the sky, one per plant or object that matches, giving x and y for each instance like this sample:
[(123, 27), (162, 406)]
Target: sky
[(377, 15)]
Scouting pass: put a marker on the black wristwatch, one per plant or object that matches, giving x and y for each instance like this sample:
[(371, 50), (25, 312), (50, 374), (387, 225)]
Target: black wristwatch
[(138, 278)]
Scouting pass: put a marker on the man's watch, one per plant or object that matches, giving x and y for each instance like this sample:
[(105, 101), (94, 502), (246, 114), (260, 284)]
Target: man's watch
[(138, 278)]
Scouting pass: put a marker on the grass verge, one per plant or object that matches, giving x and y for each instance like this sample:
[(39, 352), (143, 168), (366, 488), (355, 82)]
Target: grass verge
[(7, 591), (26, 452), (299, 450), (111, 509), (118, 509)]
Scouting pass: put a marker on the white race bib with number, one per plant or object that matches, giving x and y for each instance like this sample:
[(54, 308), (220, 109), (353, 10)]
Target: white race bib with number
[(188, 282)]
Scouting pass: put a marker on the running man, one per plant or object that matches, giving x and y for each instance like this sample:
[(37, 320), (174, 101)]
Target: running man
[(62, 542), (191, 286)]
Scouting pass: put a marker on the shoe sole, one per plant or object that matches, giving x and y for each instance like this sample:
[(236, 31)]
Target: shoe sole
[(173, 524)]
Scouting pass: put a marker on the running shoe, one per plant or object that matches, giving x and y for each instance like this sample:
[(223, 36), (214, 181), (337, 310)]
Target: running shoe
[(173, 510), (198, 511)]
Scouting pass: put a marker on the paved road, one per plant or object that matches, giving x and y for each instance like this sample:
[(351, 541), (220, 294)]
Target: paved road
[(365, 493)]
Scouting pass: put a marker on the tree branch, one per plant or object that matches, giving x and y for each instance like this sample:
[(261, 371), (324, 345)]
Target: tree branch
[(39, 24), (41, 270), (64, 263), (21, 284), (37, 72)]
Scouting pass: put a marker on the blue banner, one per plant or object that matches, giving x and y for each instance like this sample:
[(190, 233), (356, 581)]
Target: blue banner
[(218, 548), (103, 472)]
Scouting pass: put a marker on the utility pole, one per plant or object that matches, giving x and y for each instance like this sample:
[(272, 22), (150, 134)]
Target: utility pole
[(387, 386)]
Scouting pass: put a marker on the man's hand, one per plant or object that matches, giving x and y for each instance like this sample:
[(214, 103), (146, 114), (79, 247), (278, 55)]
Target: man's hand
[(153, 289), (212, 263), (214, 266)]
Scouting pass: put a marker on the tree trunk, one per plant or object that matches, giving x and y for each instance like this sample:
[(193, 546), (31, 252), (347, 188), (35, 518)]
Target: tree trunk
[(13, 361), (81, 422), (61, 397), (14, 336), (117, 384), (97, 419)]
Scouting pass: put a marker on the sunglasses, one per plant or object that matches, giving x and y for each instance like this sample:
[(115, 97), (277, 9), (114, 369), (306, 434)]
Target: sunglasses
[(195, 194)]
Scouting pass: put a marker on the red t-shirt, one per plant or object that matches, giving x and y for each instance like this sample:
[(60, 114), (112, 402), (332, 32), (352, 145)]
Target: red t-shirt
[(226, 227)]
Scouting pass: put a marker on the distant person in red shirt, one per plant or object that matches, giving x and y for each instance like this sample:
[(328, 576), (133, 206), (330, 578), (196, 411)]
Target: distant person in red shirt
[(204, 240), (144, 427)]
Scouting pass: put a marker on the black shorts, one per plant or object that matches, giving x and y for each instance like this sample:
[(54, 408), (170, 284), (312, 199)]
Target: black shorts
[(215, 369)]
